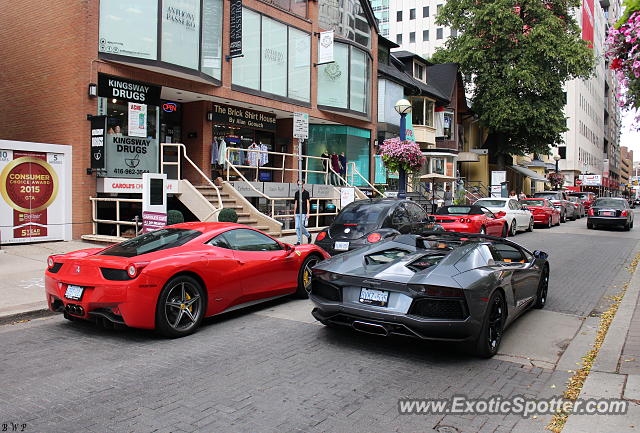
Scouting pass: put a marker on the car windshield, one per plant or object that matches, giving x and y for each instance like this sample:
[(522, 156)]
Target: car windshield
[(610, 203), (459, 210), (533, 202), (490, 203), (579, 195), (154, 241), (362, 213)]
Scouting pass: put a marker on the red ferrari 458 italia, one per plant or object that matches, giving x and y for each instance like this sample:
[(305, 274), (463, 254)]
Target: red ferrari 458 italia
[(543, 211), (471, 219), (171, 279)]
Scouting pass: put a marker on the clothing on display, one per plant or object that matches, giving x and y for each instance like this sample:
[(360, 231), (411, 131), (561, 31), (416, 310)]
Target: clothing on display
[(254, 156), (215, 151), (264, 156)]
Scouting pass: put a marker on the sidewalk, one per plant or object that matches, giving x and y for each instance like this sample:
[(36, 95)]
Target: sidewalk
[(22, 270), (616, 371)]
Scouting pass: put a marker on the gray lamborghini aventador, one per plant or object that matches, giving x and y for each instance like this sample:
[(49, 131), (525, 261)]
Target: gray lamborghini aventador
[(435, 286)]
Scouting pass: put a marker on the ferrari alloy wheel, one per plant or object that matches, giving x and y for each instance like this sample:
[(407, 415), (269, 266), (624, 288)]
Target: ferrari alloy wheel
[(490, 336), (543, 288), (304, 279), (530, 228), (513, 230), (180, 308)]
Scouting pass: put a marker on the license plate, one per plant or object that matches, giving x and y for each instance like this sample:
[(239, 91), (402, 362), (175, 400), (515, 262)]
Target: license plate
[(74, 292), (341, 246), (374, 297), (608, 213)]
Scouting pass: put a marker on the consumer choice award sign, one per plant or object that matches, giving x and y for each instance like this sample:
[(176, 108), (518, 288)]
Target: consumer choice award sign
[(34, 199)]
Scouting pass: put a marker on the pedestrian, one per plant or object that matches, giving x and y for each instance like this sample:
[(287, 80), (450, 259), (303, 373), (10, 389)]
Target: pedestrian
[(522, 196), (343, 165), (448, 196), (335, 169), (301, 212), (512, 194)]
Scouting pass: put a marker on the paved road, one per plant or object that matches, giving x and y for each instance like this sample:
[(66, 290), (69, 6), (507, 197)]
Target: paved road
[(272, 369)]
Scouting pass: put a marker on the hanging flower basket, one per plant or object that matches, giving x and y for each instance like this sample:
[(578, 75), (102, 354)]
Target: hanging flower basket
[(556, 179), (398, 154)]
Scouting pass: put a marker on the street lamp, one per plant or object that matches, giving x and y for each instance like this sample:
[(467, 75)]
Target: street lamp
[(403, 107), (557, 158)]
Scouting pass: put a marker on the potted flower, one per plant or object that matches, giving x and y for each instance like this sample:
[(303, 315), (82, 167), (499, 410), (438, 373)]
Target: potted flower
[(556, 179)]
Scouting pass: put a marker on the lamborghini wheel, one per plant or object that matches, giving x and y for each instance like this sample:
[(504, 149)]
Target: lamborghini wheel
[(543, 288), (490, 336)]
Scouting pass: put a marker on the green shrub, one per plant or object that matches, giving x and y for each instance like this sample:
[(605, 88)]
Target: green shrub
[(174, 217), (228, 216)]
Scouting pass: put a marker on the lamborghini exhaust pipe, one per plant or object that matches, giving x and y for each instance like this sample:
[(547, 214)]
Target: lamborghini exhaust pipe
[(369, 328)]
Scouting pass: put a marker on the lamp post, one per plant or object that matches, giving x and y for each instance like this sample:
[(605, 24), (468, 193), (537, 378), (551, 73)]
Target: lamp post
[(557, 158), (403, 107)]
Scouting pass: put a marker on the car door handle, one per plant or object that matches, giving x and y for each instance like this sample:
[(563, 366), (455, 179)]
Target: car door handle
[(240, 262)]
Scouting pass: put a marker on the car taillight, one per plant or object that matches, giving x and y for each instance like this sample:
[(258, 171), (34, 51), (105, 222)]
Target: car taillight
[(624, 213), (374, 237), (438, 291), (134, 269), (590, 212), (465, 220), (500, 214), (50, 262), (321, 236)]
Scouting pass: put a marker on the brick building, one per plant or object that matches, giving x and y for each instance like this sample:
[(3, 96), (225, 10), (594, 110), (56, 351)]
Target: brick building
[(161, 72)]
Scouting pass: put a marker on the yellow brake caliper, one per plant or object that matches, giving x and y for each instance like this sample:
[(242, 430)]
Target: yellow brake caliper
[(190, 306)]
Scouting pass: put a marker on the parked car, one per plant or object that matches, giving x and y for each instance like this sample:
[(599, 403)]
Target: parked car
[(580, 211), (366, 222), (560, 201), (471, 219), (543, 211), (171, 279), (442, 286), (587, 198), (511, 210), (608, 212)]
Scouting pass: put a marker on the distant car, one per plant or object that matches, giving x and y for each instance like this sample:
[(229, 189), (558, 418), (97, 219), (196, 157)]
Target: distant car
[(440, 286), (172, 278), (471, 219), (587, 198), (511, 210), (543, 211), (608, 212), (366, 222), (580, 211), (559, 200)]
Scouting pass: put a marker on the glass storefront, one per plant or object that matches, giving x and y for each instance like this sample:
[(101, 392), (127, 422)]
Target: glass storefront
[(345, 83), (277, 58), (190, 36), (335, 139)]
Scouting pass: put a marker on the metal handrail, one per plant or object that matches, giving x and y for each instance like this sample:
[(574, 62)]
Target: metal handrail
[(356, 171), (117, 222), (182, 151)]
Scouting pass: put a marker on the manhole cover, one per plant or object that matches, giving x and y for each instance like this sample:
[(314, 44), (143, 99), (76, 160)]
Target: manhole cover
[(446, 429)]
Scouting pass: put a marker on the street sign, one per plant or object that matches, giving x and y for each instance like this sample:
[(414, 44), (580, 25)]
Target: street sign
[(300, 125)]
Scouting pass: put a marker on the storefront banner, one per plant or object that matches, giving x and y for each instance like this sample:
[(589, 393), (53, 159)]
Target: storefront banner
[(131, 156), (33, 186), (98, 134), (235, 29), (137, 120), (226, 115), (497, 179), (591, 179), (300, 125), (153, 221), (128, 90), (325, 49), (121, 185)]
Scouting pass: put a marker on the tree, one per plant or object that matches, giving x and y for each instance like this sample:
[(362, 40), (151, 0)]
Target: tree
[(519, 55)]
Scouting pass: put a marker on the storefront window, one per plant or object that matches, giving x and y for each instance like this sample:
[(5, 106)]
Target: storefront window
[(130, 28), (345, 82), (437, 165), (211, 41), (277, 58), (347, 19), (299, 65), (422, 111), (246, 69), (274, 57)]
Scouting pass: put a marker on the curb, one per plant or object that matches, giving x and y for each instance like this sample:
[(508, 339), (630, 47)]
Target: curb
[(25, 316)]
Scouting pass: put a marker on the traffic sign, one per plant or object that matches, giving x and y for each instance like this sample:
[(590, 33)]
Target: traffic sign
[(300, 125)]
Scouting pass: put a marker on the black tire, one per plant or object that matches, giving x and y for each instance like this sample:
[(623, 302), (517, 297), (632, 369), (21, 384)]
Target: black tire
[(563, 217), (505, 230), (631, 225), (304, 276), (490, 336), (627, 227), (589, 225), (543, 288), (530, 228), (550, 223), (513, 228), (181, 307)]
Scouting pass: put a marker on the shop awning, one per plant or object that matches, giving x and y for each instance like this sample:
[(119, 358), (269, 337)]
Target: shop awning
[(529, 173), (468, 157)]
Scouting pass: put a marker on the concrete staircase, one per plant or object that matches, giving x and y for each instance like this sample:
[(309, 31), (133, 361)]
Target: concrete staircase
[(247, 213)]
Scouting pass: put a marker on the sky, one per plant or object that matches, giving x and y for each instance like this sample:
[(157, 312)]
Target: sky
[(630, 137)]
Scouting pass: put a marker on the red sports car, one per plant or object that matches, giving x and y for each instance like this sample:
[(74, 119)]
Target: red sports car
[(170, 279), (543, 211), (471, 219)]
